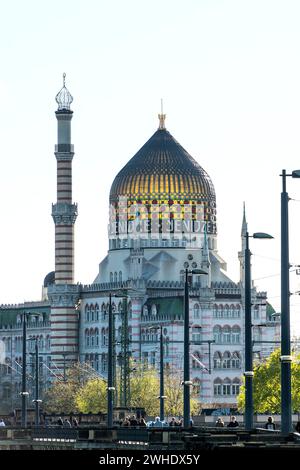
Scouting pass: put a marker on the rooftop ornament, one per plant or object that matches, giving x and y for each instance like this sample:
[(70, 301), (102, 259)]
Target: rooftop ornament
[(64, 97)]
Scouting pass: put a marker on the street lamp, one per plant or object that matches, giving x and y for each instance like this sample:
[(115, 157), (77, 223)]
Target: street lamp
[(36, 400), (162, 396), (186, 348), (24, 394), (285, 358), (110, 387), (248, 332)]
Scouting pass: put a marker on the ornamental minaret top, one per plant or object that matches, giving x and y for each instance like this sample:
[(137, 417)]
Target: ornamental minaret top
[(162, 116), (64, 97)]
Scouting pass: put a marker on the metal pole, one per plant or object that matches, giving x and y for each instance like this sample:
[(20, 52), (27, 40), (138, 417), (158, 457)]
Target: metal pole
[(161, 376), (24, 392), (110, 368), (37, 410), (286, 394), (209, 357), (248, 342), (186, 357)]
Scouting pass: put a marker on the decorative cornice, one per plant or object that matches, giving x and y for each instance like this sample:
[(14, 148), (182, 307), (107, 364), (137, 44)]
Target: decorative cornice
[(64, 213), (64, 295)]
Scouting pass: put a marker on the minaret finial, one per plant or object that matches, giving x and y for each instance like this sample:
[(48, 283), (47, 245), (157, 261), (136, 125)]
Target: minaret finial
[(64, 97), (162, 116)]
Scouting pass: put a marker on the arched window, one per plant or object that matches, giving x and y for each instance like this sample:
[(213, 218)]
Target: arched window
[(153, 310), (238, 311), (196, 311), (232, 311), (220, 311), (217, 331), (48, 343), (236, 360), (92, 338), (226, 363), (226, 334), (226, 388), (97, 312), (87, 338), (217, 360), (103, 362), (217, 386), (196, 333), (120, 276), (116, 277), (145, 310), (103, 311), (103, 337), (87, 313), (96, 337), (215, 311), (111, 277), (236, 333), (235, 386), (226, 311), (120, 307), (92, 314)]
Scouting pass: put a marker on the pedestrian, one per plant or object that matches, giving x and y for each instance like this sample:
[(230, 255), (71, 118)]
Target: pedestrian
[(270, 423), (133, 421), (126, 422), (142, 423), (173, 422), (233, 423), (297, 427), (2, 423), (219, 423), (157, 423), (60, 421)]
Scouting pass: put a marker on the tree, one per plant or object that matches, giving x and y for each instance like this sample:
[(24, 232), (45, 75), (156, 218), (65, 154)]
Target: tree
[(60, 397), (144, 390), (174, 394), (266, 385), (92, 397)]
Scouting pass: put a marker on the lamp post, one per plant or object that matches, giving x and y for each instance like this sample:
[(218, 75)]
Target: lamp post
[(110, 387), (186, 349), (285, 358), (162, 396), (248, 332), (24, 392), (36, 400)]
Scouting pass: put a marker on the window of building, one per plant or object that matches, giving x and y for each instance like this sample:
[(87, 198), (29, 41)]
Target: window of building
[(226, 362), (226, 387), (217, 332), (236, 333), (196, 311), (217, 387), (235, 386)]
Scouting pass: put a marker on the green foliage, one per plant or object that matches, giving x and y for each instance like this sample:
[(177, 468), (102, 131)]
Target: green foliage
[(92, 397), (144, 390), (266, 386), (174, 394)]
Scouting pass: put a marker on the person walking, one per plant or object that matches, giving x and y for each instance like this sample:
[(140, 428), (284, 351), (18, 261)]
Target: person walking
[(67, 423), (157, 423), (2, 423), (233, 423), (270, 423)]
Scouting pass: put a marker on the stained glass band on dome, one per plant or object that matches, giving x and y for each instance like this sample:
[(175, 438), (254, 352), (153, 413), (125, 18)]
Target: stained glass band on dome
[(163, 172)]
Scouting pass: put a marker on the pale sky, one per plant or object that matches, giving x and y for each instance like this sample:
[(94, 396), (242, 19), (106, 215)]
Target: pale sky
[(229, 74)]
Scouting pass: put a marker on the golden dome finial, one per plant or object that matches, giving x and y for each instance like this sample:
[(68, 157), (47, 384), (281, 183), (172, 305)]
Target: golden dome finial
[(162, 116)]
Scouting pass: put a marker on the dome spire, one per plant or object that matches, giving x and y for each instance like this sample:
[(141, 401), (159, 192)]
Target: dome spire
[(64, 97), (162, 116)]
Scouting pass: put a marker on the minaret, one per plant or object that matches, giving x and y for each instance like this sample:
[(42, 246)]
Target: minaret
[(243, 244), (64, 213), (63, 294)]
